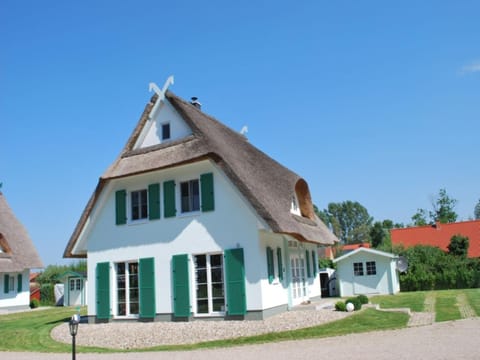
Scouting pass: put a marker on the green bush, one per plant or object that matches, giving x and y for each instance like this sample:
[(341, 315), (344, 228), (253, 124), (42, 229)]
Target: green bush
[(340, 306), (47, 295), (34, 303), (363, 299), (356, 303), (430, 268)]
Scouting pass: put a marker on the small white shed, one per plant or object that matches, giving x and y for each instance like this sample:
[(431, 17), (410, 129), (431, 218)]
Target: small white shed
[(367, 271), (75, 288)]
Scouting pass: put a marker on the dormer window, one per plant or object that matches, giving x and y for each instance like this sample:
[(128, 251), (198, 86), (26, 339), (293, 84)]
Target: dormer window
[(302, 194), (166, 131), (294, 209)]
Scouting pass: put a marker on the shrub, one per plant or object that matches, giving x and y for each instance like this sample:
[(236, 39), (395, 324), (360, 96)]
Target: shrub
[(34, 304), (356, 303), (47, 294), (340, 306), (363, 299)]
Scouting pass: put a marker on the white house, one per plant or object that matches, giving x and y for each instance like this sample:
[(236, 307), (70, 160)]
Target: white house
[(17, 257), (367, 271), (192, 221)]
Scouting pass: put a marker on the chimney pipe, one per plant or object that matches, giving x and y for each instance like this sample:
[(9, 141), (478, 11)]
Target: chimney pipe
[(196, 103)]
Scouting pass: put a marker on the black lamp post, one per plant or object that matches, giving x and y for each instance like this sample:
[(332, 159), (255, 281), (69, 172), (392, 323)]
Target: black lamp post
[(73, 325)]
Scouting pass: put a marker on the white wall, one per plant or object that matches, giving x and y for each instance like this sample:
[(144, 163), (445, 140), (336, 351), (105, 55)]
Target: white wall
[(152, 133), (14, 298), (232, 224)]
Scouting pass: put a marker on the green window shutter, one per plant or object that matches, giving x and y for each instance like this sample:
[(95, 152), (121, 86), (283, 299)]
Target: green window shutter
[(147, 288), (206, 183), (19, 283), (6, 281), (103, 290), (235, 282), (169, 199), (314, 264), (280, 263), (181, 289), (270, 266), (307, 257), (154, 201), (121, 207)]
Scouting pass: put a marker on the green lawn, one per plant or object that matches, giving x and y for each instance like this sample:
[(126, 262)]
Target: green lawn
[(473, 296), (446, 305), (30, 331), (413, 300), (364, 321)]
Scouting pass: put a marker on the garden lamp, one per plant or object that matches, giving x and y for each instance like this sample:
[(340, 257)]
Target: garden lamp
[(73, 325)]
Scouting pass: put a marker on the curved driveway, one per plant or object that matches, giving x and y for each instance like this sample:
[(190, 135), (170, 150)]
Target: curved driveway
[(446, 340)]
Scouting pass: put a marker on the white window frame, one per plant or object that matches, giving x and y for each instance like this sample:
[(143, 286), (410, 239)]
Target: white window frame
[(127, 289), (130, 205), (371, 267), (295, 208), (190, 200), (209, 285), (72, 284), (356, 271)]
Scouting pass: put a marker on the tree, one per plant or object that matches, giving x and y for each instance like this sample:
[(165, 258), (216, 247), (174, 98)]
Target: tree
[(349, 221), (459, 246), (443, 208), (476, 212), (377, 234), (420, 218), (442, 211)]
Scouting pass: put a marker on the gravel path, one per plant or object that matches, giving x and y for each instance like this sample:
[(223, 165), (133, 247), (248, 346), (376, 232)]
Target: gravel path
[(136, 335)]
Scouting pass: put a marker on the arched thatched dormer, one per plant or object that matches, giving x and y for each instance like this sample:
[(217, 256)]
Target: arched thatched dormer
[(303, 201)]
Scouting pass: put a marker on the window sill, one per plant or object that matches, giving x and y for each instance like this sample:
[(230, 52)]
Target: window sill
[(189, 214), (138, 222)]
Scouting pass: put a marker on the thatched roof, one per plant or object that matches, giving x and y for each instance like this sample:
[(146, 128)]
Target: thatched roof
[(18, 253), (266, 184)]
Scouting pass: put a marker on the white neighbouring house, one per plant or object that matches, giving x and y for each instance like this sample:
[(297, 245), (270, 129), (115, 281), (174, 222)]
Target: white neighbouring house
[(193, 221), (17, 257)]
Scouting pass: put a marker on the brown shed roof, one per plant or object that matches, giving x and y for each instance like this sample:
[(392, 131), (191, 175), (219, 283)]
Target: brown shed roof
[(266, 184), (19, 253)]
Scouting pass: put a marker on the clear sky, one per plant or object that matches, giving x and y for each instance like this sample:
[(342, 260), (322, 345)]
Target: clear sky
[(369, 101)]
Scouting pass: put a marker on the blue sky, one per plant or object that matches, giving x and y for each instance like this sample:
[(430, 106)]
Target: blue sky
[(368, 101)]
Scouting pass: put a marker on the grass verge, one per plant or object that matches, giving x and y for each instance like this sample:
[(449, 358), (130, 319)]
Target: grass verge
[(446, 305), (30, 331), (473, 296), (413, 300)]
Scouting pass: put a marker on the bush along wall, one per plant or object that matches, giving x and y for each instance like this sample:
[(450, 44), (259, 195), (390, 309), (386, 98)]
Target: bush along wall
[(430, 268)]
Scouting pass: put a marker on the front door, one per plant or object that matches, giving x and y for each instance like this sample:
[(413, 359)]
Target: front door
[(299, 289)]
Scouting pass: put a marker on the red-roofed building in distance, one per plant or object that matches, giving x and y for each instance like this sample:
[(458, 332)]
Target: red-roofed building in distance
[(439, 235)]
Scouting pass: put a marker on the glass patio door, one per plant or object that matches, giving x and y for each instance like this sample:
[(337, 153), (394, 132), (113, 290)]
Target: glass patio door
[(127, 289), (297, 267)]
